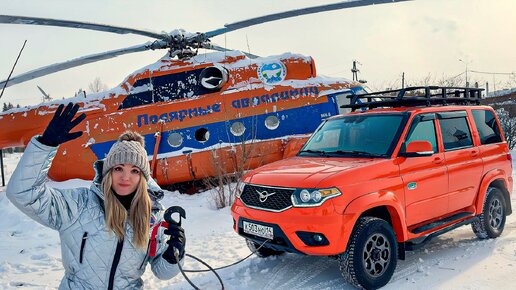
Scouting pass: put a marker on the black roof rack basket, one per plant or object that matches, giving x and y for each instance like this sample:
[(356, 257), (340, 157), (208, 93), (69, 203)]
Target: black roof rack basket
[(416, 96)]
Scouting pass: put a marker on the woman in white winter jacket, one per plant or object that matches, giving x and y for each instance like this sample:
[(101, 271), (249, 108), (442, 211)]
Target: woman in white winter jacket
[(105, 230)]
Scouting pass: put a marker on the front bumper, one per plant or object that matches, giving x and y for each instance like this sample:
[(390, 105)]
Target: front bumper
[(336, 228)]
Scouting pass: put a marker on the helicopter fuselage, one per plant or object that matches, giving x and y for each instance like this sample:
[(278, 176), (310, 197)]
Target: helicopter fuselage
[(213, 113)]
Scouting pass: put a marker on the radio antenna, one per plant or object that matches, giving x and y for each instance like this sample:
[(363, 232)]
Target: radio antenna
[(6, 81)]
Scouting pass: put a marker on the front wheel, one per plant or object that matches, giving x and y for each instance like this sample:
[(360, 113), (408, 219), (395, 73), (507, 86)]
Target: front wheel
[(262, 252), (492, 219), (371, 256)]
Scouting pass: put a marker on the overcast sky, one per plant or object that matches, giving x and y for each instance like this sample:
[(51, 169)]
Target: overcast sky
[(419, 37)]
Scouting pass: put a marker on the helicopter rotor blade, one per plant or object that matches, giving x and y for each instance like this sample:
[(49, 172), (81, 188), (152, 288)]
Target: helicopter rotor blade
[(293, 13), (82, 60), (12, 19)]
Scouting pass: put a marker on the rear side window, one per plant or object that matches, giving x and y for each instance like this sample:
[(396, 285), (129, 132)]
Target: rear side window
[(455, 130), (487, 127)]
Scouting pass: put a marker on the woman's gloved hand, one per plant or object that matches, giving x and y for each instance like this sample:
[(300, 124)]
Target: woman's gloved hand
[(58, 130), (177, 242)]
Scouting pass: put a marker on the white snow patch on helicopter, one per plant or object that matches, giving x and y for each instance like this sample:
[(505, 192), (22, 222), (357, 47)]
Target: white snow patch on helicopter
[(141, 89), (90, 142), (90, 102)]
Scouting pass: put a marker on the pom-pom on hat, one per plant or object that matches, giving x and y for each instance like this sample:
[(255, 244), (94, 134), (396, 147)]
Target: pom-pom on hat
[(129, 149)]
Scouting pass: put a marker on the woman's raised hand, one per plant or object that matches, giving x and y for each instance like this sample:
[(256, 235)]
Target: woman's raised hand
[(58, 130)]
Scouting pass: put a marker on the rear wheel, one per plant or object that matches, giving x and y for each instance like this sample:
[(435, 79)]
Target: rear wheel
[(262, 252), (492, 219), (371, 256)]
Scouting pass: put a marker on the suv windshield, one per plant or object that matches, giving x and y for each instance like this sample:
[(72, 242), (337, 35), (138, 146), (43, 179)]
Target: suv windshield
[(356, 136)]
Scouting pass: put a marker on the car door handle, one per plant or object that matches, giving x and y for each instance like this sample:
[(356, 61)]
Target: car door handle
[(475, 152), (438, 160)]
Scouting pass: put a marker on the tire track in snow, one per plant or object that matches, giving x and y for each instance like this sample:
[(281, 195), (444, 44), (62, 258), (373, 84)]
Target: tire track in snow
[(280, 270), (306, 272)]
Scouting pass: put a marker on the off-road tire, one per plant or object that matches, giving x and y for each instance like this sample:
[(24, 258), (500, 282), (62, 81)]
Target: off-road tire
[(492, 219), (375, 232), (262, 252)]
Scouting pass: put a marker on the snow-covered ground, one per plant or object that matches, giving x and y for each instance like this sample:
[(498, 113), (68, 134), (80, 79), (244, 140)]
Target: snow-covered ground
[(30, 255)]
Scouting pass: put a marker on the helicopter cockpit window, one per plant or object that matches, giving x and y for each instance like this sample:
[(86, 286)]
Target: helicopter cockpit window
[(342, 99), (202, 135), (237, 129), (175, 139), (213, 77), (272, 122)]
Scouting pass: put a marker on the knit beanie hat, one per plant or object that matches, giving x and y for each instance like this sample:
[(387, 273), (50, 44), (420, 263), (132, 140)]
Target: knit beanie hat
[(128, 149)]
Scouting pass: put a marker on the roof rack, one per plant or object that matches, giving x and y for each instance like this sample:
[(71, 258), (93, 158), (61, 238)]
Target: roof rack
[(416, 96)]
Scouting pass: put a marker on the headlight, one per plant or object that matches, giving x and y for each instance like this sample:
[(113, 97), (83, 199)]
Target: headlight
[(304, 195), (313, 197), (240, 189)]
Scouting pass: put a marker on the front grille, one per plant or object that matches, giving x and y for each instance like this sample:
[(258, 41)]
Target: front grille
[(267, 198)]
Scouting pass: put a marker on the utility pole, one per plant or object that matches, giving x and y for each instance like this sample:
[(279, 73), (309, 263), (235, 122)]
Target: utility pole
[(355, 71), (2, 165), (466, 63), (403, 80)]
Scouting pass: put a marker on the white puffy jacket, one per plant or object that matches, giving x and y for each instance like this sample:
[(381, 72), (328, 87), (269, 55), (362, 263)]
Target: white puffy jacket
[(92, 256)]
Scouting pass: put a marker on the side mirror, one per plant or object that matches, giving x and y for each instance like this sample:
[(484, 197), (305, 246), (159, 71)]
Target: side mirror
[(418, 148)]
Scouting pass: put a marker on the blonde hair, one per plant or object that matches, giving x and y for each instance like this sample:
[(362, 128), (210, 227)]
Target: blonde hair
[(139, 212)]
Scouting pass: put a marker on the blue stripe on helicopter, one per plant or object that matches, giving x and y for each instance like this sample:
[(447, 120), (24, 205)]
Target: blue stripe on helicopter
[(292, 121)]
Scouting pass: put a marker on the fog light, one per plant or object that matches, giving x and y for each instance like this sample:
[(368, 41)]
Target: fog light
[(304, 195), (313, 239)]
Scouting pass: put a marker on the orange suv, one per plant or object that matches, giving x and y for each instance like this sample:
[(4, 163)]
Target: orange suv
[(408, 165)]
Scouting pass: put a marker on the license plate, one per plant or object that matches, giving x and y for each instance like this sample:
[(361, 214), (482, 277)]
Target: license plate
[(259, 230)]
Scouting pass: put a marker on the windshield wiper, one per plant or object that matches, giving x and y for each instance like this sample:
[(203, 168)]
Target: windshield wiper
[(322, 153), (355, 152)]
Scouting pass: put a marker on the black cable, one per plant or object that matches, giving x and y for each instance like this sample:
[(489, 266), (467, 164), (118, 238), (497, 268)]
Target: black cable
[(209, 267), (227, 266), (176, 254)]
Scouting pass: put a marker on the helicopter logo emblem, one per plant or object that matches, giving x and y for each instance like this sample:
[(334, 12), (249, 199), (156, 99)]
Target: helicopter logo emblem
[(272, 73)]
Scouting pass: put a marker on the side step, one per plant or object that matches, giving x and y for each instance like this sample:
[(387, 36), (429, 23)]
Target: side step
[(413, 245), (439, 223)]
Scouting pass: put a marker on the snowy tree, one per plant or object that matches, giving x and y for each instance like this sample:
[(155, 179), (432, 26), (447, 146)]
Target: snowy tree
[(97, 86), (8, 106), (508, 127)]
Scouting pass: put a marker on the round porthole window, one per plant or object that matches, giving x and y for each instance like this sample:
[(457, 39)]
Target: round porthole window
[(202, 135), (272, 122), (237, 129), (175, 139)]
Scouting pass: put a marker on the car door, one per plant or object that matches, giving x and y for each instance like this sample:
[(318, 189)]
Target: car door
[(425, 179), (462, 159)]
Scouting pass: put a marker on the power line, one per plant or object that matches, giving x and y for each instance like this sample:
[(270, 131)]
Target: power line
[(492, 73), (456, 75)]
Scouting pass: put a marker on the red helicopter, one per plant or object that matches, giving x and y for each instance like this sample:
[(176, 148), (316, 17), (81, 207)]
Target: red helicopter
[(234, 107)]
